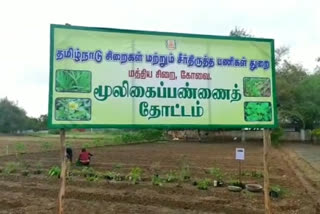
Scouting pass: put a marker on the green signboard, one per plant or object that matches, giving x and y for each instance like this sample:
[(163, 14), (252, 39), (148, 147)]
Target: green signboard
[(101, 77)]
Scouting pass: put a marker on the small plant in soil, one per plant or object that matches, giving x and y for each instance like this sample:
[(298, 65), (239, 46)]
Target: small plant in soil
[(237, 183), (46, 146), (88, 172), (204, 184), (55, 171), (38, 169), (276, 191), (257, 174), (111, 175), (11, 167), (254, 174), (25, 172), (20, 148), (217, 174), (157, 180), (184, 173), (93, 178), (135, 175), (172, 176)]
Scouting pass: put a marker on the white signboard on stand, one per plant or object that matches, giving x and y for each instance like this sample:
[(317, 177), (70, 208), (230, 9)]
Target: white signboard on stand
[(240, 153)]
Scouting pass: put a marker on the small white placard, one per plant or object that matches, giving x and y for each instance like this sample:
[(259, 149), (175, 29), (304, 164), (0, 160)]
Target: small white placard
[(239, 153)]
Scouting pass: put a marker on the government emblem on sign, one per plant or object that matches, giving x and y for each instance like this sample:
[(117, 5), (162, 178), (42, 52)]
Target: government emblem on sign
[(171, 44)]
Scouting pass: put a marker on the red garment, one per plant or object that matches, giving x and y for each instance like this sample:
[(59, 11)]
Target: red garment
[(84, 157)]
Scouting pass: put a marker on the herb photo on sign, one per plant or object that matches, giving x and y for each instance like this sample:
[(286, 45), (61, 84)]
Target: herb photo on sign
[(73, 109), (257, 111), (73, 81), (256, 87)]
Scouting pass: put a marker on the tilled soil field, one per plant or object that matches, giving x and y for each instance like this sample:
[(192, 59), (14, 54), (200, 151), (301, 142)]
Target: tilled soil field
[(37, 193)]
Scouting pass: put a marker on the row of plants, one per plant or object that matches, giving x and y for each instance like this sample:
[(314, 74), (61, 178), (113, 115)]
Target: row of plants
[(183, 175), (22, 168)]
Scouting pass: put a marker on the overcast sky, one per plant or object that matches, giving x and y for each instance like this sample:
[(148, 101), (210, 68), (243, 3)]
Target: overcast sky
[(24, 40)]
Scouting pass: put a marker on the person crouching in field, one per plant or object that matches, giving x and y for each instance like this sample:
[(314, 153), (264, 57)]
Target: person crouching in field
[(69, 154), (84, 157)]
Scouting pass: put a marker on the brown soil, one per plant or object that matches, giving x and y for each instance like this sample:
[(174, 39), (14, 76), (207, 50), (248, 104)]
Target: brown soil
[(38, 193)]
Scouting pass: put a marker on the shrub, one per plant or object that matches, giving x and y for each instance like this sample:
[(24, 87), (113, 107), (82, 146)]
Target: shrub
[(204, 184), (139, 136), (135, 175), (216, 173), (54, 131), (316, 133), (157, 180), (277, 191), (55, 171), (151, 134)]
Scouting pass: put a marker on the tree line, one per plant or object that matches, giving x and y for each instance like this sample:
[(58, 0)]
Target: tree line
[(14, 118)]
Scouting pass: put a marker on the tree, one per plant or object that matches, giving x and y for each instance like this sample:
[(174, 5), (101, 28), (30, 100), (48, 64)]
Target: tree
[(280, 53), (239, 32), (317, 68), (12, 117), (296, 89), (308, 100), (43, 122), (37, 124)]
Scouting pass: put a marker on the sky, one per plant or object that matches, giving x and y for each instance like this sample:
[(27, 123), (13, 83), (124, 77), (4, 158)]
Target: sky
[(25, 26)]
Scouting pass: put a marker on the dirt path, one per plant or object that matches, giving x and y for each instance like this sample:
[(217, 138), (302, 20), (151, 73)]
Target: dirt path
[(303, 160)]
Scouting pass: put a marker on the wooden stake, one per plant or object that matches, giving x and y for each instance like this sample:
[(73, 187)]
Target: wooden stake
[(240, 171), (63, 171), (266, 145)]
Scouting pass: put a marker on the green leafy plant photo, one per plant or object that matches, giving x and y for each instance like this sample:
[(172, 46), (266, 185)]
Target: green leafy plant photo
[(73, 81), (73, 109), (257, 111), (256, 87)]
